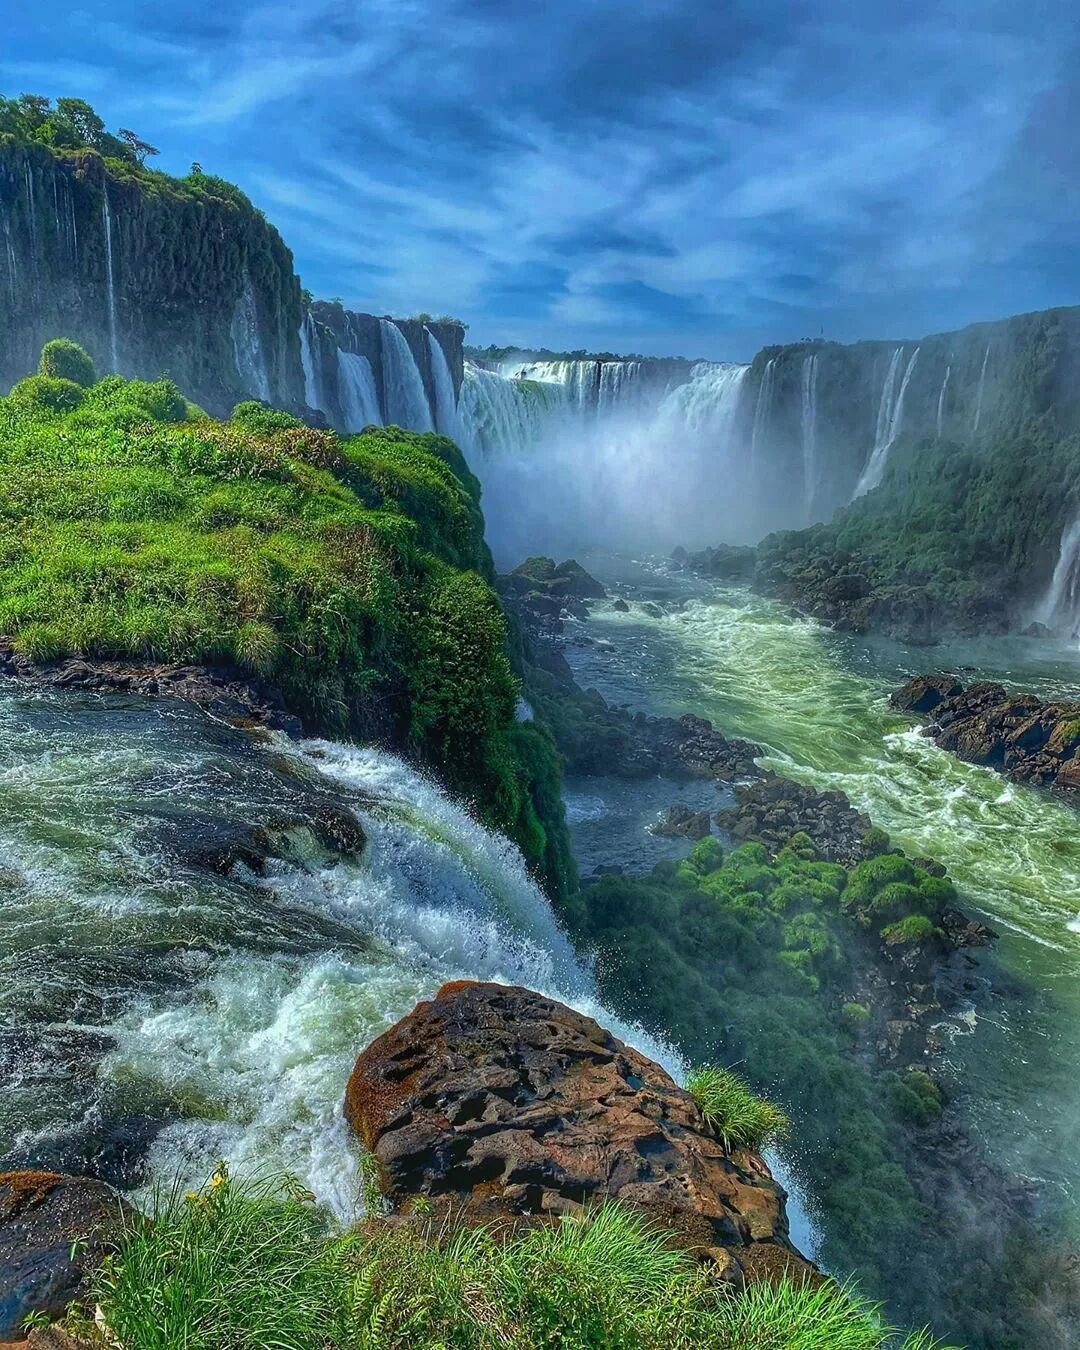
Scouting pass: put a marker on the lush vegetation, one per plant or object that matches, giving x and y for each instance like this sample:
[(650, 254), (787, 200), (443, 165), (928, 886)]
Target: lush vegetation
[(741, 1119), (256, 1266), (769, 965), (956, 537), (72, 124), (349, 574)]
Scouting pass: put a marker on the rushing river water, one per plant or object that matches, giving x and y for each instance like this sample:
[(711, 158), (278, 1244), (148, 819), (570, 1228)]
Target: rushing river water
[(817, 701), (149, 1002)]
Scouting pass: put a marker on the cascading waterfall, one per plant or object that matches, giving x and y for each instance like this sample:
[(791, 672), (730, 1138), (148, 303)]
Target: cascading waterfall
[(809, 432), (581, 380), (311, 361), (359, 397), (762, 411), (1060, 606), (941, 401), (232, 1008), (446, 413), (890, 419), (403, 387), (247, 345), (708, 404), (110, 283), (504, 416), (979, 394)]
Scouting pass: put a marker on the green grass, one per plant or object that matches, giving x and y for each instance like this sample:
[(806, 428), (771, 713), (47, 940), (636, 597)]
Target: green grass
[(254, 1265), (733, 1112), (351, 574)]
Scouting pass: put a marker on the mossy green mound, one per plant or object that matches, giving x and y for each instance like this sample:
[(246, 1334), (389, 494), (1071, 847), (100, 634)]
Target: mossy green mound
[(350, 574)]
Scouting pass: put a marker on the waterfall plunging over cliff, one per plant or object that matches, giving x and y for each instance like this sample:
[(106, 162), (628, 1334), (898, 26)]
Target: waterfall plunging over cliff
[(248, 347), (889, 420), (982, 387), (506, 416), (110, 282), (406, 403), (941, 400), (809, 431), (446, 414), (1060, 606), (762, 410), (359, 397), (311, 361)]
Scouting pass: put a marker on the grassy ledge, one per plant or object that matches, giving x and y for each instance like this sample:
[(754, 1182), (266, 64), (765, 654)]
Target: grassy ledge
[(255, 1265), (351, 574)]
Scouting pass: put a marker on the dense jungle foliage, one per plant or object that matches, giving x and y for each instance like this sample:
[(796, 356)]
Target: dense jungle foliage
[(350, 574)]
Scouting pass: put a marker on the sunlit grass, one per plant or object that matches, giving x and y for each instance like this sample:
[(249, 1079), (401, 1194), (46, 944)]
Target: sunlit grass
[(741, 1119)]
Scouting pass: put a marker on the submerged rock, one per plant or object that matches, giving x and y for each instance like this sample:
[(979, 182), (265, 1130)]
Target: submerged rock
[(499, 1104), (53, 1230)]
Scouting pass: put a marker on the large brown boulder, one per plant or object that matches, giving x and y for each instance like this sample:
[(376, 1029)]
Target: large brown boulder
[(53, 1229), (500, 1104)]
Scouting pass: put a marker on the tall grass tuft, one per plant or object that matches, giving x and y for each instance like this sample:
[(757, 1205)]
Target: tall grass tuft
[(733, 1112)]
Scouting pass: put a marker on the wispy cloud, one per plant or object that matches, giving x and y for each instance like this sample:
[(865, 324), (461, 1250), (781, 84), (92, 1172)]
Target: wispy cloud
[(634, 175)]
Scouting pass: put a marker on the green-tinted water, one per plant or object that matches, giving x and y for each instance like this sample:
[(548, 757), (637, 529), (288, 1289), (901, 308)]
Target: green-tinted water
[(818, 702)]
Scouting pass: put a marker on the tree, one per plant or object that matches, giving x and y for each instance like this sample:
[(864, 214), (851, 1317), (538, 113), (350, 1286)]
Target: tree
[(139, 148), (86, 125)]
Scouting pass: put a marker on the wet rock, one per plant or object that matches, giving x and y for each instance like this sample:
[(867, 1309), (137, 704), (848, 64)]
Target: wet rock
[(683, 822), (725, 562), (620, 606), (774, 809), (53, 1230), (1023, 736), (652, 609), (502, 1105)]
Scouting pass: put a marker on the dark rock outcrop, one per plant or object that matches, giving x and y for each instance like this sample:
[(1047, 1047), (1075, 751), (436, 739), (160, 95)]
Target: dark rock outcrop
[(1030, 739), (723, 562), (226, 691), (774, 809), (683, 822), (53, 1230), (499, 1104)]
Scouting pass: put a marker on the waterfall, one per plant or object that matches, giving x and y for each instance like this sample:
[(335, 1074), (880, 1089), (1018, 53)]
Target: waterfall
[(247, 345), (1060, 606), (403, 386), (941, 401), (762, 410), (311, 360), (359, 397), (708, 403), (502, 416), (12, 264), (979, 395), (446, 414), (809, 431), (110, 282), (581, 380), (890, 418)]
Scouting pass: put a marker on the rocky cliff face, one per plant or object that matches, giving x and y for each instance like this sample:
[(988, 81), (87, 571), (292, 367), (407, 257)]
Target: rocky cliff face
[(497, 1104), (823, 416), (156, 275)]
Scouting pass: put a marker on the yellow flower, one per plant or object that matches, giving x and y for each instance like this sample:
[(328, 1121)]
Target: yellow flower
[(191, 1195), (217, 1180)]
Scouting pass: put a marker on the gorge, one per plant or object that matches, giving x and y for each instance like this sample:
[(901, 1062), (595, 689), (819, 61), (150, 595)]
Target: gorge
[(293, 740)]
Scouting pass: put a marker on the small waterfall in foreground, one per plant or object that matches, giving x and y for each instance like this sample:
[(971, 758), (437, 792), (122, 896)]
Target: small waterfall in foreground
[(941, 401), (889, 421), (762, 410), (110, 283), (359, 397), (979, 395), (1060, 606), (311, 361), (809, 432), (247, 345), (446, 413), (403, 387)]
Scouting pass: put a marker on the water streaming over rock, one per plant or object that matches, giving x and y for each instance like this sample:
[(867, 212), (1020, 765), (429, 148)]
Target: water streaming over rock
[(110, 283), (581, 380), (359, 397), (311, 361), (889, 421), (941, 401), (1060, 606), (763, 411), (153, 996), (809, 432), (247, 345), (979, 395), (403, 386), (446, 413), (507, 416)]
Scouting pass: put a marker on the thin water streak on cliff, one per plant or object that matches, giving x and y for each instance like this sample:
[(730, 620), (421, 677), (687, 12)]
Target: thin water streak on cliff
[(979, 395), (889, 421), (809, 431), (110, 282), (941, 401)]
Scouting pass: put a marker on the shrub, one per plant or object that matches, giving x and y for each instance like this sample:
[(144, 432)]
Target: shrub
[(856, 1015), (66, 360), (915, 928), (733, 1112), (45, 394)]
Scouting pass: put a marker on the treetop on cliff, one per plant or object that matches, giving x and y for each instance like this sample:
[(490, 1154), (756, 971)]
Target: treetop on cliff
[(69, 124)]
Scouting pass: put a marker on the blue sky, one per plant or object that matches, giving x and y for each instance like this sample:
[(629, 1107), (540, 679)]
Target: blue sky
[(680, 176)]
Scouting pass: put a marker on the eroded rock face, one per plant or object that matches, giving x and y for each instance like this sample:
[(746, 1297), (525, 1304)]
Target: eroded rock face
[(53, 1229), (501, 1103)]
